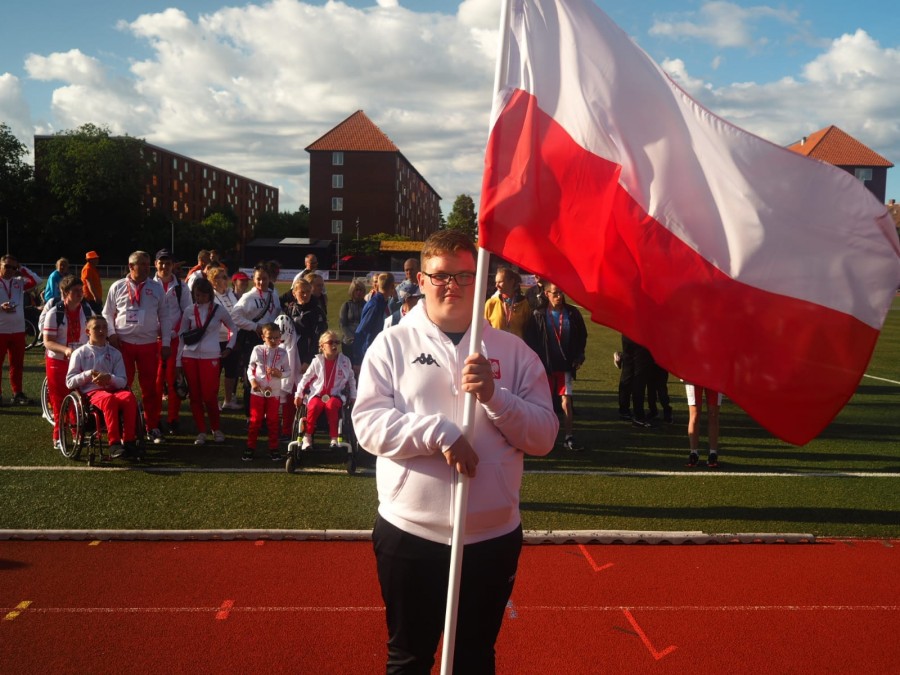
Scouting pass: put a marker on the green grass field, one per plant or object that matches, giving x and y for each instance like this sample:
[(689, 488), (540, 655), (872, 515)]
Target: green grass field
[(625, 478)]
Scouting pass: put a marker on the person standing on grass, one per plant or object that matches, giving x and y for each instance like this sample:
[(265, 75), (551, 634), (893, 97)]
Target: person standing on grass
[(408, 414), (15, 280), (254, 309), (508, 309), (51, 289), (375, 311), (231, 364), (98, 371), (137, 320), (90, 277), (268, 365), (199, 363), (64, 327), (559, 337), (695, 396), (177, 301)]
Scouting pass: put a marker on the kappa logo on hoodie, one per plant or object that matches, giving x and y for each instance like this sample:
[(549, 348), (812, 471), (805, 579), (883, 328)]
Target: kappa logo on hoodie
[(426, 360)]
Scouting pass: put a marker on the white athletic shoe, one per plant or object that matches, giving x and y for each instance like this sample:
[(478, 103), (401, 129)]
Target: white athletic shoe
[(201, 439), (218, 436), (307, 442)]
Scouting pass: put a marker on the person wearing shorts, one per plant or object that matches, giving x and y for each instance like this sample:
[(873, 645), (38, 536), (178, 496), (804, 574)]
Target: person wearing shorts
[(559, 337), (695, 395)]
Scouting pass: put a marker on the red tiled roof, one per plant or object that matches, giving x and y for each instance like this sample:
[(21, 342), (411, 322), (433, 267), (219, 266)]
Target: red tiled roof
[(839, 148), (357, 132)]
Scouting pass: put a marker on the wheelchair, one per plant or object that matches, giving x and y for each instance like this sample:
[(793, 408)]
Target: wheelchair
[(46, 408), (82, 427), (347, 442)]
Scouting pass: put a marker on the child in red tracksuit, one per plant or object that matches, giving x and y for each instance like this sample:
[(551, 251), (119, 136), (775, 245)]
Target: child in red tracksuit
[(268, 365), (98, 371)]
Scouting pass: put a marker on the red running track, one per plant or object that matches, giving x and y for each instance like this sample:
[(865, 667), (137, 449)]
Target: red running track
[(314, 607)]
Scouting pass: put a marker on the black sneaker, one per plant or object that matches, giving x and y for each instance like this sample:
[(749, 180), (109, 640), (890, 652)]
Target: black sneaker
[(275, 456), (569, 443), (625, 416), (172, 428), (693, 458), (640, 424), (713, 460), (667, 415), (21, 399), (248, 455), (116, 450)]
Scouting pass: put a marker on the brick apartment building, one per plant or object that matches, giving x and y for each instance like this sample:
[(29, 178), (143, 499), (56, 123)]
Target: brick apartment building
[(360, 183), (184, 188)]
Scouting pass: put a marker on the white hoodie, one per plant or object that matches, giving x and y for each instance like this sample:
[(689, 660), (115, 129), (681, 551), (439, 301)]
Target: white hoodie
[(409, 410)]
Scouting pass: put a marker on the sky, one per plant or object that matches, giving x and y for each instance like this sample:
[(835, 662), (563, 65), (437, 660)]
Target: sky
[(247, 86)]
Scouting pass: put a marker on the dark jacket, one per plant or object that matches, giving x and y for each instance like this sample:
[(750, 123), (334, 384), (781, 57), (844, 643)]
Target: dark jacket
[(310, 322), (556, 357)]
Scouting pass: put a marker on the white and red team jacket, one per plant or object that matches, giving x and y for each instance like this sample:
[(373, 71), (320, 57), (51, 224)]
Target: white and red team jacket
[(195, 316), (13, 290), (263, 357), (88, 358), (137, 312), (175, 307), (409, 410)]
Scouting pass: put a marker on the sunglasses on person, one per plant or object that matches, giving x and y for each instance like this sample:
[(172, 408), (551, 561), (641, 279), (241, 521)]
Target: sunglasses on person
[(333, 343)]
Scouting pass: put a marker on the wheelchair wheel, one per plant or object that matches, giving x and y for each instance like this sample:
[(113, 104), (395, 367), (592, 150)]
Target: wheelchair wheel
[(32, 334), (46, 408), (290, 464), (71, 428)]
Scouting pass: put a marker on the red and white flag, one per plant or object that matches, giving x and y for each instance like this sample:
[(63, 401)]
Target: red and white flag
[(742, 266)]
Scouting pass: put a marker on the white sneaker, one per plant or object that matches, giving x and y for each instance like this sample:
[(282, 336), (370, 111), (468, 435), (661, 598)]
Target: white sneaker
[(334, 443), (57, 444), (232, 405), (218, 436), (201, 439), (307, 442), (156, 436)]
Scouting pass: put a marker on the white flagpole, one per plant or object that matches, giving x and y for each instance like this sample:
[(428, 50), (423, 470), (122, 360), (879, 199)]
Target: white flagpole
[(462, 482)]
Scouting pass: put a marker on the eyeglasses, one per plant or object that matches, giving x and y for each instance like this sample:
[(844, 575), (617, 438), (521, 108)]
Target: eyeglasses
[(10, 266), (444, 279), (333, 343)]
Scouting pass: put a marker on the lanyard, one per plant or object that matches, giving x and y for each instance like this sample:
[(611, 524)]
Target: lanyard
[(9, 288), (507, 304), (266, 362), (197, 322), (135, 297), (73, 325), (558, 331), (329, 375)]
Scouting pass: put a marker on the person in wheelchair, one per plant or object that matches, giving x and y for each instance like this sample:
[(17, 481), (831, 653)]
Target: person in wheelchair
[(326, 379), (98, 372)]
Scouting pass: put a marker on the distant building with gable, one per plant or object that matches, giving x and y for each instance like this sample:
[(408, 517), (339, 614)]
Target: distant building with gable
[(839, 148), (361, 184)]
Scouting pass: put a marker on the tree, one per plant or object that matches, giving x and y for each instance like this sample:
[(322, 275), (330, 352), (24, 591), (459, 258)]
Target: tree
[(284, 224), (95, 183), (15, 181), (463, 216)]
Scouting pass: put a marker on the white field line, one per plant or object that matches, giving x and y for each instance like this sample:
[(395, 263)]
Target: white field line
[(549, 472), (881, 379)]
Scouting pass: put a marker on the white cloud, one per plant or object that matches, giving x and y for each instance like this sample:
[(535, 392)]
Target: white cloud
[(14, 110), (723, 24), (247, 88)]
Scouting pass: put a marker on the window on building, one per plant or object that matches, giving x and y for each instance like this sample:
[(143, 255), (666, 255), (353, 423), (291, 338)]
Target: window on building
[(337, 158), (863, 173), (337, 203), (337, 180), (175, 163)]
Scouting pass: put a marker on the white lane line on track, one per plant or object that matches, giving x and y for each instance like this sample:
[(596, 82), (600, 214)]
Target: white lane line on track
[(519, 609), (548, 472)]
